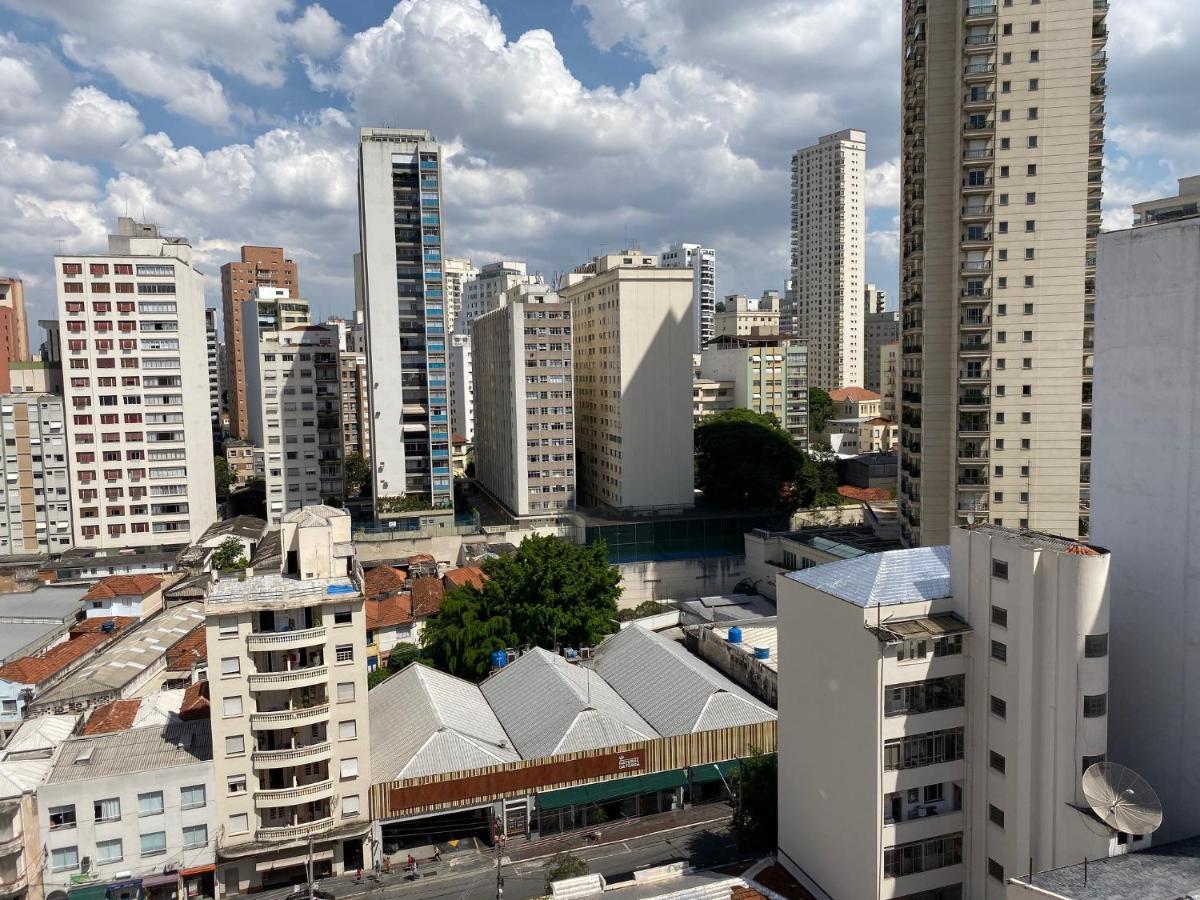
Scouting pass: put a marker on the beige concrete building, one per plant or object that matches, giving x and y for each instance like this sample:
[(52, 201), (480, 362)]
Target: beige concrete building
[(258, 266), (12, 298), (356, 404), (710, 396), (136, 382), (288, 689), (36, 514), (765, 373), (241, 457), (1184, 205), (941, 705), (880, 327), (744, 315), (703, 263), (889, 380), (456, 273), (829, 255), (525, 428), (633, 329), (998, 263)]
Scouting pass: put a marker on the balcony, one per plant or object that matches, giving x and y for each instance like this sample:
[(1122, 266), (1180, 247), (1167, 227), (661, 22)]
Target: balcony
[(289, 718), (976, 41), (975, 399), (977, 211), (975, 347), (285, 640), (297, 756), (979, 126), (978, 154), (979, 70), (16, 886), (12, 843), (294, 832), (284, 681), (976, 239), (976, 265), (975, 321), (977, 184), (305, 793), (976, 295)]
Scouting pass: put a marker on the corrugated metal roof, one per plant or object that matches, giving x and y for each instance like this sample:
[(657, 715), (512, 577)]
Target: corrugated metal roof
[(548, 705), (19, 776), (40, 734), (670, 688), (881, 579), (134, 750), (434, 723)]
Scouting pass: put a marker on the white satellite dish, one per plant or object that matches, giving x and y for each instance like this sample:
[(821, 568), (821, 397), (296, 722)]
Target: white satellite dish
[(1122, 798)]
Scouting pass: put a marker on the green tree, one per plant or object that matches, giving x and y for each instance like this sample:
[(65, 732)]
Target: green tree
[(820, 410), (229, 555), (402, 655), (224, 475), (357, 472), (550, 592), (564, 865), (744, 459), (755, 807)]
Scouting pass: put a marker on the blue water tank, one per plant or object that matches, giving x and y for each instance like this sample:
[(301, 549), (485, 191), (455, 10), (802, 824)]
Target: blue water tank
[(762, 652), (499, 659), (108, 626), (735, 635)]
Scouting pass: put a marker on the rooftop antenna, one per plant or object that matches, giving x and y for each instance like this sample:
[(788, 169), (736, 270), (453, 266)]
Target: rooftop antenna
[(1122, 798)]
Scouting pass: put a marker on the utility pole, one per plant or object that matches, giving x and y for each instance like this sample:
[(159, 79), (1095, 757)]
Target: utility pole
[(499, 855)]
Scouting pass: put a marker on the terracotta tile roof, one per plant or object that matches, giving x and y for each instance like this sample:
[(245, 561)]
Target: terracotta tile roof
[(36, 669), (92, 626), (383, 581), (458, 440), (880, 420), (461, 577), (427, 594), (870, 495), (857, 394), (115, 716), (189, 651), (195, 702), (389, 611), (123, 586)]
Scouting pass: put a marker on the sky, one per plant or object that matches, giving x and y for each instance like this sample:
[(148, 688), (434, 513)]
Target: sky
[(570, 127)]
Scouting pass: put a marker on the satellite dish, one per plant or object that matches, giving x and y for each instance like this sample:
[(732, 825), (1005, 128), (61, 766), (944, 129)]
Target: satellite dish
[(1122, 798)]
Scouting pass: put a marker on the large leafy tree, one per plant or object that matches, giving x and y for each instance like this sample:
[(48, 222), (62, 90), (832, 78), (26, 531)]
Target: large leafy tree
[(745, 460), (223, 474), (229, 555), (357, 470), (550, 592), (820, 410), (755, 808)]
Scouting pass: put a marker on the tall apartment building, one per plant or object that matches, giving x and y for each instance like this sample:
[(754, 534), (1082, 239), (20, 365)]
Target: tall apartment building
[(258, 267), (280, 308), (998, 263), (889, 379), (703, 263), (356, 404), (12, 297), (829, 255), (768, 374), (485, 291), (293, 407), (136, 391), (288, 689), (880, 327), (36, 513), (1147, 503), (525, 439), (742, 316), (943, 704), (400, 228), (456, 273), (633, 382), (874, 300), (462, 385), (214, 372)]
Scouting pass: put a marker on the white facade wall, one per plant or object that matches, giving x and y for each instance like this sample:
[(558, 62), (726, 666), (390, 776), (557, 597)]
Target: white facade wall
[(462, 386), (703, 263), (829, 255), (36, 516), (1147, 503), (457, 272), (134, 346)]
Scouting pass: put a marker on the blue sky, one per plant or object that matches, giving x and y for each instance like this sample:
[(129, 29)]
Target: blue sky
[(567, 124)]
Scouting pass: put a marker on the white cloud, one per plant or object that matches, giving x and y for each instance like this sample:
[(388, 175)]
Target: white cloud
[(883, 184), (317, 33)]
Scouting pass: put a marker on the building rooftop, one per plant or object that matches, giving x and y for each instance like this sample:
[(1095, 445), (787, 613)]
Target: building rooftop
[(383, 581), (548, 705), (427, 593), (129, 656), (123, 586), (673, 690), (22, 776), (131, 751), (50, 603), (463, 576), (436, 723), (1027, 538), (725, 608), (318, 514), (189, 652), (845, 542), (273, 587), (857, 394), (39, 736), (755, 633), (882, 579), (39, 669), (1168, 872)]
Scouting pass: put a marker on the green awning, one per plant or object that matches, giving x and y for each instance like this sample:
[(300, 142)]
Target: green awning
[(721, 771), (603, 791), (88, 892)]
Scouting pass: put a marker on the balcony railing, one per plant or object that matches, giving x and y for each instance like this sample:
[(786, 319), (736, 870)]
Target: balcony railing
[(305, 793), (294, 832), (287, 718), (285, 640), (271, 759), (286, 680)]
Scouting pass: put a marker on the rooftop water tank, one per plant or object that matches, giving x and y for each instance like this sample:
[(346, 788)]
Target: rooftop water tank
[(735, 635), (499, 659), (762, 652)]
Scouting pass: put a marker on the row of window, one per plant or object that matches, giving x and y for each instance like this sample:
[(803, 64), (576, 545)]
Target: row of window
[(109, 809), (112, 851), (152, 269)]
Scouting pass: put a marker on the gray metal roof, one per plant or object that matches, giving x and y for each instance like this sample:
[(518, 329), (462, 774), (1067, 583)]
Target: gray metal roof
[(48, 603), (674, 691), (39, 736), (548, 705), (882, 579), (427, 722), (1166, 872), (135, 750), (317, 514)]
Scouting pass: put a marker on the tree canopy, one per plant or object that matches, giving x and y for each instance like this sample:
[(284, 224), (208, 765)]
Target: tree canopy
[(224, 475), (229, 555), (820, 410), (755, 809), (564, 865), (550, 592), (357, 472), (745, 460)]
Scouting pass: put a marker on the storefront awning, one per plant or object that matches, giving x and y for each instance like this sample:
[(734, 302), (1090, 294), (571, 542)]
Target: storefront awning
[(721, 771), (198, 870), (88, 892), (160, 880), (603, 791), (285, 862)]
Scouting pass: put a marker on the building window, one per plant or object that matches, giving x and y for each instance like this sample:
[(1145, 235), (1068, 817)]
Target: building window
[(999, 569), (350, 807), (342, 617), (1095, 645), (1095, 705), (227, 626), (236, 784), (996, 761), (192, 796), (64, 858), (154, 843), (999, 708), (951, 645), (348, 730), (1089, 761), (1035, 55), (924, 696), (345, 691), (926, 749), (150, 804), (1000, 616), (231, 706), (109, 851), (1033, 84), (239, 823), (922, 856), (62, 817), (107, 810), (999, 651), (344, 653), (995, 815), (235, 745), (1035, 27), (349, 768), (194, 836), (230, 665), (995, 870)]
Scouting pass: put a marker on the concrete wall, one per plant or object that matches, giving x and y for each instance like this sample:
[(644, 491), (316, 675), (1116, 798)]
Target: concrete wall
[(760, 680), (679, 579)]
